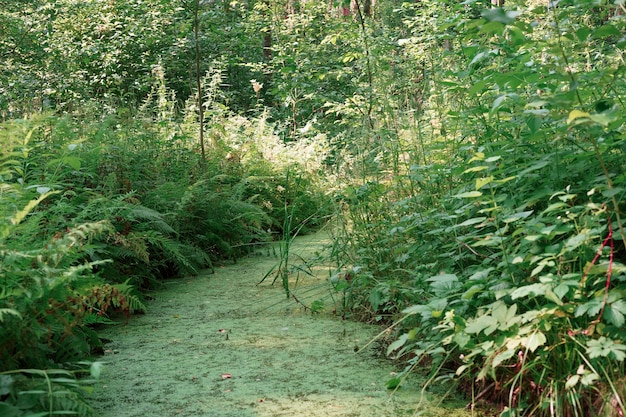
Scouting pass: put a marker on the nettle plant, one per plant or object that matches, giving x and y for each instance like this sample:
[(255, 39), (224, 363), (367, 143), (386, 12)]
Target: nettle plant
[(527, 306)]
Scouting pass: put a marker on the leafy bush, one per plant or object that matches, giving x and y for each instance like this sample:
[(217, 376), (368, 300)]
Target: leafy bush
[(503, 239), (48, 288)]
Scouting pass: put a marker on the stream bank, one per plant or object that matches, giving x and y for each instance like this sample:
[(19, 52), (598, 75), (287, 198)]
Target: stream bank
[(223, 345)]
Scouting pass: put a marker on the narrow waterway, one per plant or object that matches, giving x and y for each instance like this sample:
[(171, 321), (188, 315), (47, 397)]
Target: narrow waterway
[(223, 345)]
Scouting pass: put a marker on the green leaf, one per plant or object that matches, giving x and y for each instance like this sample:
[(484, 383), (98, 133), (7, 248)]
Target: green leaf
[(6, 382), (485, 323), (96, 369), (461, 339), (8, 410), (476, 169), (535, 340), (481, 182), (605, 31), (469, 194), (603, 119), (572, 381), (612, 192), (503, 356), (72, 161), (472, 221), (590, 308), (576, 114), (518, 216), (397, 344), (613, 313), (575, 241), (478, 86), (554, 206), (393, 383), (583, 33), (606, 348), (530, 290), (478, 156), (498, 14)]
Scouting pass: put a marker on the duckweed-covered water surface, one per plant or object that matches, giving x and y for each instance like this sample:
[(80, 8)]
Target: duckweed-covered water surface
[(222, 345)]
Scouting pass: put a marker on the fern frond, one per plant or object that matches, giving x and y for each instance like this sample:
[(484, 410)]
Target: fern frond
[(181, 255), (9, 311), (132, 245), (151, 219), (133, 301)]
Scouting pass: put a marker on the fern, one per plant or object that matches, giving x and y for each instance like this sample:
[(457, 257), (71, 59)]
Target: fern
[(150, 220), (177, 252), (45, 392)]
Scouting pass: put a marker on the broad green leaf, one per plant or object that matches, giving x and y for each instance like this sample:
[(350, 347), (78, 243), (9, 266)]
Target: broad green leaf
[(572, 381), (612, 192), (72, 161), (393, 383), (534, 341), (461, 339), (575, 241), (562, 289), (537, 104), (472, 221), (505, 180), (554, 206), (478, 86), (605, 31), (476, 169), (469, 194), (8, 410), (498, 102), (416, 309), (498, 14), (518, 216), (576, 114), (397, 344), (603, 119), (481, 182), (606, 348), (538, 165), (613, 315), (590, 308), (6, 382), (478, 156), (96, 369), (583, 33), (485, 323), (502, 357), (479, 57), (589, 378), (529, 290)]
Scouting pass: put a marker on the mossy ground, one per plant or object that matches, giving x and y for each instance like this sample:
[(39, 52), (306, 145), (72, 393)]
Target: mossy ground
[(221, 345)]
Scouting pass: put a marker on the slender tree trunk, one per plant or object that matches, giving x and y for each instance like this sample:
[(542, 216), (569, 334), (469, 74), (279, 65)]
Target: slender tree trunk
[(367, 7), (370, 80), (196, 31)]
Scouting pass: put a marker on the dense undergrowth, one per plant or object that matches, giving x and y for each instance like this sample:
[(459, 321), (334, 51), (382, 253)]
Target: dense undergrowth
[(500, 238), (474, 155), (96, 212)]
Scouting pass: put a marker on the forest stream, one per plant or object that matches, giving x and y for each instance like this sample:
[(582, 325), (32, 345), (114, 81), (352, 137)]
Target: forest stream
[(224, 345)]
